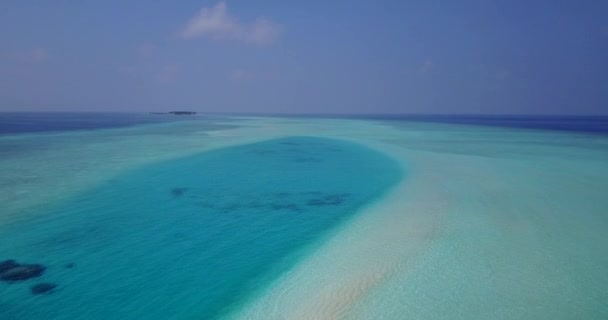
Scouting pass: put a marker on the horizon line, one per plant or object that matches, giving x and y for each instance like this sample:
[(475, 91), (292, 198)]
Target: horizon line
[(316, 114)]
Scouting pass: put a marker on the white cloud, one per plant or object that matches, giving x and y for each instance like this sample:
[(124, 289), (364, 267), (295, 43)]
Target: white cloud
[(215, 23)]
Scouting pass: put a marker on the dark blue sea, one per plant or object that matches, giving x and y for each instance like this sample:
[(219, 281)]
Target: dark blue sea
[(25, 122), (587, 124)]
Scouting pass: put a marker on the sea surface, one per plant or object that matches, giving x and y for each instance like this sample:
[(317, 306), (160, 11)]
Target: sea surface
[(586, 124), (24, 122), (140, 216), (193, 236), (597, 124)]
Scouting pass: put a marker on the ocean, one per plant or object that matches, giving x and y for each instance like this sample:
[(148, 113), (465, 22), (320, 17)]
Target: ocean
[(162, 217)]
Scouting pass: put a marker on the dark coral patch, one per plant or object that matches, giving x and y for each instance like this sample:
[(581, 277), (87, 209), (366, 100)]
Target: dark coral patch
[(7, 264), (43, 288), (22, 272), (69, 265), (178, 192)]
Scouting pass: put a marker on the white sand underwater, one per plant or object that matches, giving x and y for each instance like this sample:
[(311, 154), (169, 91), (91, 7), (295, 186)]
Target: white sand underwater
[(488, 223)]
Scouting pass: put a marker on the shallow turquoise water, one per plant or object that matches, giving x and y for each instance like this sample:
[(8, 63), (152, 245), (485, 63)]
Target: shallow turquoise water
[(190, 238)]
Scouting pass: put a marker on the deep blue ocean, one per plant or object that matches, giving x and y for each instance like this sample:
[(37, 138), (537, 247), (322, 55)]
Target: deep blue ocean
[(586, 124), (25, 122)]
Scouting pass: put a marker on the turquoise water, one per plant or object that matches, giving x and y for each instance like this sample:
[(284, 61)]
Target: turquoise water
[(190, 238), (491, 222)]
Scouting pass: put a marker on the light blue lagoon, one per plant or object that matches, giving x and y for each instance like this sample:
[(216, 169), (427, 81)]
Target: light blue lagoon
[(192, 237), (302, 218)]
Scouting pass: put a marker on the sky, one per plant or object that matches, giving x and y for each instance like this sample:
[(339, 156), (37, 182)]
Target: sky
[(356, 56)]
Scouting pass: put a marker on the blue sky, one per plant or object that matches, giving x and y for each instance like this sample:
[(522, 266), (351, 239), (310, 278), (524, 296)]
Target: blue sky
[(505, 57)]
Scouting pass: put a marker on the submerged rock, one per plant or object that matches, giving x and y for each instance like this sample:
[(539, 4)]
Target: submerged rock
[(43, 288), (22, 272), (178, 192), (7, 264)]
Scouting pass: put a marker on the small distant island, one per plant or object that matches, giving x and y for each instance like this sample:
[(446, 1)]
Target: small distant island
[(188, 113)]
